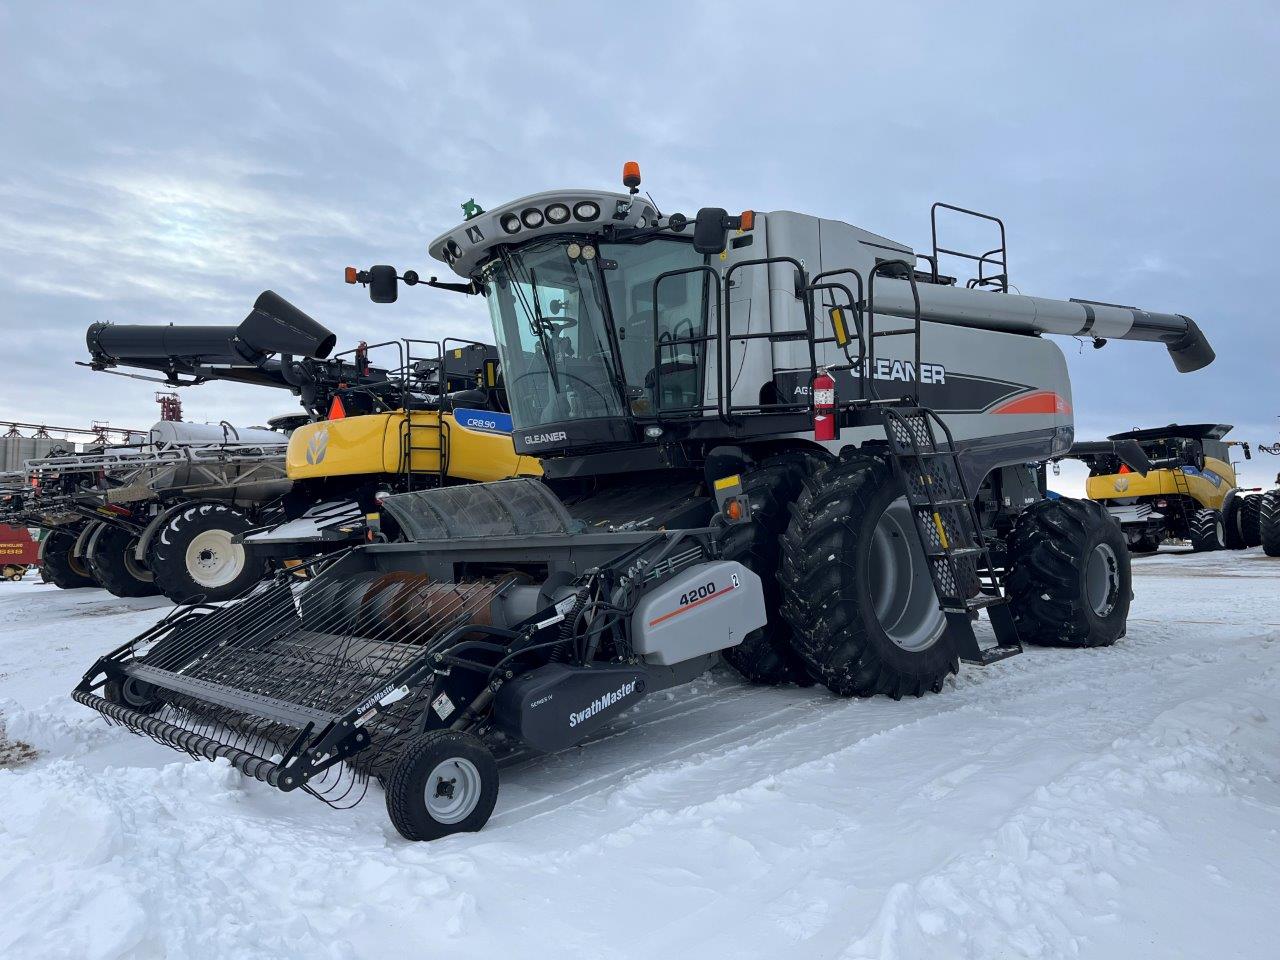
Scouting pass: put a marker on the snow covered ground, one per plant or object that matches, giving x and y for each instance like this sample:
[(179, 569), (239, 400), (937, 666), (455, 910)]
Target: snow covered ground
[(1110, 803)]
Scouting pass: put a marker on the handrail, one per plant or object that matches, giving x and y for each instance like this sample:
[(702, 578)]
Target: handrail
[(1003, 262)]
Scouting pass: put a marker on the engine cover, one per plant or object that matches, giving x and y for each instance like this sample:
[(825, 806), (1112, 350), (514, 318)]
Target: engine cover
[(558, 705), (708, 607)]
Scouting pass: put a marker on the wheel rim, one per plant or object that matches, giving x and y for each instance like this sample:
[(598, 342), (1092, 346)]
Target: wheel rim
[(136, 693), (1102, 579), (213, 560), (131, 564), (76, 564), (1221, 532), (902, 594), (453, 790)]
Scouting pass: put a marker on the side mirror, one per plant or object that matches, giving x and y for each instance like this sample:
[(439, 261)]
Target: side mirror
[(709, 230), (382, 284)]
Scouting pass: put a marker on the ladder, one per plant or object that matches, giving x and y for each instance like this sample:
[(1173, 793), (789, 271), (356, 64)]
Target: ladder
[(423, 438), (1184, 491), (950, 532), (418, 438)]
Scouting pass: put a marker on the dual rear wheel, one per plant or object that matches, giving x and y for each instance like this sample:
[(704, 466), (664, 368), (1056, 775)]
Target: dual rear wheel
[(854, 600)]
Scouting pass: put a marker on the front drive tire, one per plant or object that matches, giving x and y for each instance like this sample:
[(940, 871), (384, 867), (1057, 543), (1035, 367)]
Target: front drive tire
[(1069, 581), (1208, 531), (59, 567), (193, 555), (767, 656), (1235, 519), (444, 782), (857, 588), (1269, 523), (114, 566), (1251, 519)]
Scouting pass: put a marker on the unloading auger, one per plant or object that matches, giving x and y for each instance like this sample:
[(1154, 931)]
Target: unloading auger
[(770, 437), (379, 418)]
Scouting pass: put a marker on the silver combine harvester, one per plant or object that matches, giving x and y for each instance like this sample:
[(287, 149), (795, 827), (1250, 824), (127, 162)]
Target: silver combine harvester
[(774, 437)]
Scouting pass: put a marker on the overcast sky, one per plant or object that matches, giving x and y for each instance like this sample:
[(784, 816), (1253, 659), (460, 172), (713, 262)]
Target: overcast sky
[(168, 162)]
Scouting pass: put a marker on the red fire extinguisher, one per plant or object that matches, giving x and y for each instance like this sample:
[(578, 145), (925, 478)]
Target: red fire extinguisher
[(825, 426)]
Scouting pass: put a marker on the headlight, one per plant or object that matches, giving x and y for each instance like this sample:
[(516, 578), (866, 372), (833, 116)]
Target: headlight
[(510, 223), (557, 213), (451, 249), (588, 252), (574, 250), (586, 210), (531, 218)]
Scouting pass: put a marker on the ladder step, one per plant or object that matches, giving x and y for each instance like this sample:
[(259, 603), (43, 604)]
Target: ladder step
[(921, 504), (954, 552), (970, 604), (994, 655)]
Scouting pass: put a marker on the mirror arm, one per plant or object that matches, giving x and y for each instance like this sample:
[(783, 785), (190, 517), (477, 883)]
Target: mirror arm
[(470, 289)]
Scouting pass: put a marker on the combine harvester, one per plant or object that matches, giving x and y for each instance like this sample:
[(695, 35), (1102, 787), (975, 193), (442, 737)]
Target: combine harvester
[(434, 416), (1269, 510), (769, 436), (1180, 485)]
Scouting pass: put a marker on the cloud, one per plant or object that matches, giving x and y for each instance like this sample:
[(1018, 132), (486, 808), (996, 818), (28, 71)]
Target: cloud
[(169, 166)]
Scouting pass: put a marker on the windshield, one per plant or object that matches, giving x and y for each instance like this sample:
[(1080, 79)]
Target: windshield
[(560, 359)]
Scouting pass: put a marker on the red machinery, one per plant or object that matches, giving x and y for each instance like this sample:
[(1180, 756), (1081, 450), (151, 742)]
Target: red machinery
[(18, 551)]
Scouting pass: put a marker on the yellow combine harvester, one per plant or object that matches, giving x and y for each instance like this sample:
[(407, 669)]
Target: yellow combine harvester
[(478, 448), (433, 415), (1189, 491)]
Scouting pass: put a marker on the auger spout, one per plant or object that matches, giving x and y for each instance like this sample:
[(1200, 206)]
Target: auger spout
[(1017, 313)]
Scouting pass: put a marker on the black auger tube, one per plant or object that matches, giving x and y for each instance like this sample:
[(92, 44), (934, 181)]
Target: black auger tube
[(273, 326), (111, 342), (186, 740), (1127, 451)]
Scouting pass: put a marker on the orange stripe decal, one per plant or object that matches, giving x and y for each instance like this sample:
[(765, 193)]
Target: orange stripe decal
[(1039, 401), (689, 606)]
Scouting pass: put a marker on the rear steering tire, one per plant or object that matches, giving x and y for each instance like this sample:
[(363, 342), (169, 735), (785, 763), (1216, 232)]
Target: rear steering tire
[(444, 782), (767, 656), (194, 554), (112, 560), (60, 567), (1208, 531), (857, 588), (1069, 581)]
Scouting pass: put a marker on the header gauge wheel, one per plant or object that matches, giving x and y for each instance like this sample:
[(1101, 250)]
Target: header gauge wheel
[(445, 782)]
